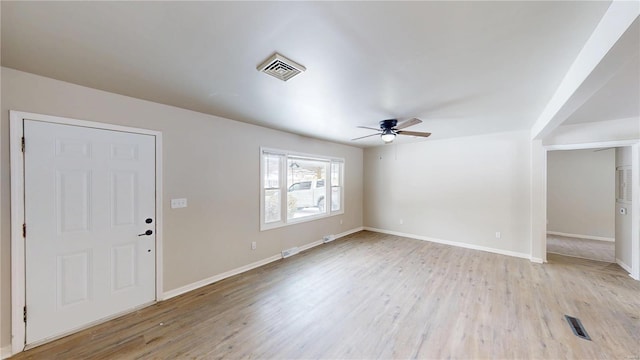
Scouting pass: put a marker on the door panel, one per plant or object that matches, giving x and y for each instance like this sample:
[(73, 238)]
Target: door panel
[(87, 195), (73, 274), (73, 190), (123, 196)]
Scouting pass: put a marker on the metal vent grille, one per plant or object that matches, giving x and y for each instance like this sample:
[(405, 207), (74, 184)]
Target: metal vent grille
[(576, 326), (280, 67)]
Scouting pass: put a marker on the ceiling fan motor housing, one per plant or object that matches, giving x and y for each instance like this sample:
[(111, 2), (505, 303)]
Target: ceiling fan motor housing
[(388, 124)]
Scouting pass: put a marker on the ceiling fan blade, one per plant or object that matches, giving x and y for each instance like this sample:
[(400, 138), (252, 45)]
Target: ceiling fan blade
[(406, 124), (370, 128), (414, 133), (366, 136)]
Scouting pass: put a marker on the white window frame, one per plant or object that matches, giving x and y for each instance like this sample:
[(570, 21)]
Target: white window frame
[(284, 220)]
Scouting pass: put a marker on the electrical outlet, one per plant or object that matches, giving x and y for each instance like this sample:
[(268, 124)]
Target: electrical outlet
[(178, 203), (498, 235), (340, 221), (254, 245), (401, 221)]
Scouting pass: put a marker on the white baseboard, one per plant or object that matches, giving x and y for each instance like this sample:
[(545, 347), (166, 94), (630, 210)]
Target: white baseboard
[(310, 245), (537, 260), (210, 280), (454, 243), (580, 236), (5, 352), (349, 232), (626, 267)]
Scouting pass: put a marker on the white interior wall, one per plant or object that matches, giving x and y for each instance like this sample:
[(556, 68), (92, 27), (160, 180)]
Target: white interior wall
[(581, 193), (460, 190), (623, 223), (219, 175)]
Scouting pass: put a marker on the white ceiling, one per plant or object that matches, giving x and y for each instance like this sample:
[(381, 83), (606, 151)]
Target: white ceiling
[(465, 68), (619, 98)]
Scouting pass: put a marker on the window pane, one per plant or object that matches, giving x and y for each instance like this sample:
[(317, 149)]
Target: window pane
[(335, 198), (272, 192), (335, 174), (272, 170), (336, 186), (306, 187), (272, 205)]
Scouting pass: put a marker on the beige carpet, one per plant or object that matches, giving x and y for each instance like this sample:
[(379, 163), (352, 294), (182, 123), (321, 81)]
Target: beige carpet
[(582, 248)]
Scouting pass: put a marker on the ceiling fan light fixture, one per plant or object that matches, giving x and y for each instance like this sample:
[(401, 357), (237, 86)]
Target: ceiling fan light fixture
[(390, 128), (387, 136)]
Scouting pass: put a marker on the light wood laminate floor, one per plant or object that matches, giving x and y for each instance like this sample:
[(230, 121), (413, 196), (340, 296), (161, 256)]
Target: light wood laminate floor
[(371, 296), (582, 248)]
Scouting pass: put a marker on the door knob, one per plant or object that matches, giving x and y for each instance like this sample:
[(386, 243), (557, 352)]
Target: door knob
[(148, 232)]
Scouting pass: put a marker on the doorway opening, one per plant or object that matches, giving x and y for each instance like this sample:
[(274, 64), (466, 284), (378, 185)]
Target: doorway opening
[(630, 253), (581, 197)]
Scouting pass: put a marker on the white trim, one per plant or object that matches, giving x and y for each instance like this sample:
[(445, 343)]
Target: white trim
[(626, 267), (210, 280), (580, 236), (310, 245), (18, 278), (537, 260), (577, 257), (593, 145), (335, 237), (5, 352), (635, 203), (159, 219), (538, 198), (292, 153), (635, 212), (453, 243), (18, 301), (284, 220), (349, 232)]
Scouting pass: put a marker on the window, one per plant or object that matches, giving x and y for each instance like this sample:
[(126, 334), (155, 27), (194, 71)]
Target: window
[(271, 186), (298, 188), (336, 186)]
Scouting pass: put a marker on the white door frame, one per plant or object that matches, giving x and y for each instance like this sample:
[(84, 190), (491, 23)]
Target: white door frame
[(541, 242), (18, 279)]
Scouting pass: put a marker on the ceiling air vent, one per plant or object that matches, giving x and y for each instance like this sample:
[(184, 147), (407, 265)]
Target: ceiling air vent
[(280, 67)]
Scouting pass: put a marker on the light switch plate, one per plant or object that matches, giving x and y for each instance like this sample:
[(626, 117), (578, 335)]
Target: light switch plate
[(178, 203)]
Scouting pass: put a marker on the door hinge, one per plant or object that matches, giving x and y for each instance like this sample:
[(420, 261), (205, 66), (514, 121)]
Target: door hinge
[(24, 314), (23, 144), (24, 231)]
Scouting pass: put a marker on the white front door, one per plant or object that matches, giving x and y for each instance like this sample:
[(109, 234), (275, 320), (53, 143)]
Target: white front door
[(89, 195)]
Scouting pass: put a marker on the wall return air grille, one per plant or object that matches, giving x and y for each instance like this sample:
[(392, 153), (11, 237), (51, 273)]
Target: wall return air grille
[(280, 67)]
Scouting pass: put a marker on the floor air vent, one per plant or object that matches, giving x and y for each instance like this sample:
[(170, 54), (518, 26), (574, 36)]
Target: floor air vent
[(290, 252), (577, 328), (280, 67)]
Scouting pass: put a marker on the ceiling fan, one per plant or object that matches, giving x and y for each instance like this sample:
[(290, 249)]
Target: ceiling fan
[(390, 128)]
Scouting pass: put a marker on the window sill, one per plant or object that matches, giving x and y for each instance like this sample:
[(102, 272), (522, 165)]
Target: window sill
[(296, 221)]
